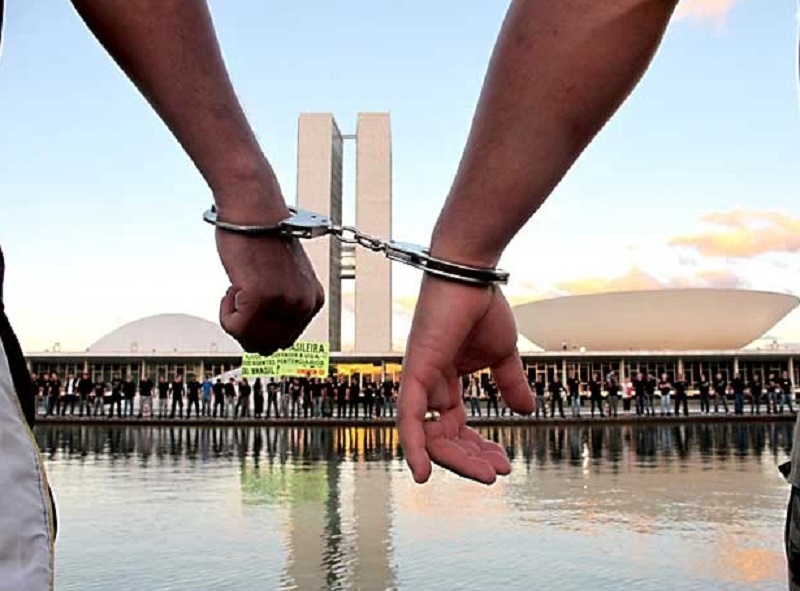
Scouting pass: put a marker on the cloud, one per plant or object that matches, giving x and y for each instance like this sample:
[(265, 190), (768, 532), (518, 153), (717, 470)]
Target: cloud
[(714, 11), (742, 233), (634, 280), (638, 280), (712, 278)]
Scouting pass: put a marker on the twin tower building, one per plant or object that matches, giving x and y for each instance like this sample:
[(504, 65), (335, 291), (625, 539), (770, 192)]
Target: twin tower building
[(320, 159)]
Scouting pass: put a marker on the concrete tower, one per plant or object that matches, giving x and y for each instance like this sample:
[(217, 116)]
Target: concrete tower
[(319, 189), (373, 216)]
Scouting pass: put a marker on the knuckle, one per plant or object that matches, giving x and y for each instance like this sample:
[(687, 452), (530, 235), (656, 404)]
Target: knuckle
[(320, 300), (301, 304)]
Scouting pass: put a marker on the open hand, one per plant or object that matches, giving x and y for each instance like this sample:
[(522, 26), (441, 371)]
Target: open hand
[(457, 330)]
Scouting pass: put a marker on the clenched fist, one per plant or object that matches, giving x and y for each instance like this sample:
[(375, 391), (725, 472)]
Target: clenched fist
[(274, 291)]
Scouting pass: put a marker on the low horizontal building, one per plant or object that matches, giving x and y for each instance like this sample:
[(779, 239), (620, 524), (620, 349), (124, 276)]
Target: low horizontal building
[(663, 320), (178, 344), (173, 344)]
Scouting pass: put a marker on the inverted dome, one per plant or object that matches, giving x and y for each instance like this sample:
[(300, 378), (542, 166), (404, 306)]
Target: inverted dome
[(668, 319), (167, 333)]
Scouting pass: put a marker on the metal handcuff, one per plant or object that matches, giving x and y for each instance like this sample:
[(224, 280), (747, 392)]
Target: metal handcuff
[(307, 225)]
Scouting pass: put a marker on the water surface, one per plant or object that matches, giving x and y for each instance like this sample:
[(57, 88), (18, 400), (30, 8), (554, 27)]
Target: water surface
[(587, 508)]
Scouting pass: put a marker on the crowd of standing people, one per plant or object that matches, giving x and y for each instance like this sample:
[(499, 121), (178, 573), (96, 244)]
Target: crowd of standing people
[(644, 395), (352, 398), (287, 397)]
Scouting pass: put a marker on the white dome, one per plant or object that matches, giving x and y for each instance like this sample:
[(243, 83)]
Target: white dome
[(168, 333), (668, 319)]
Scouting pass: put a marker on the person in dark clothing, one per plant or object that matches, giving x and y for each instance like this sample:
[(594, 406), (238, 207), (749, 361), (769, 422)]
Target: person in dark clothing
[(556, 388), (85, 388), (99, 397), (146, 386), (539, 388), (177, 389), (650, 385), (329, 398), (116, 397), (388, 397), (129, 393), (720, 386), (377, 399), (296, 397), (787, 394), (772, 394), (738, 386), (54, 395), (354, 395), (369, 399), (756, 392), (245, 390), (273, 391), (163, 397), (574, 389), (230, 398), (307, 399), (304, 396), (219, 398), (317, 390), (704, 387), (681, 396), (596, 394), (614, 389), (491, 399), (42, 388), (258, 398), (639, 391), (341, 398), (193, 388)]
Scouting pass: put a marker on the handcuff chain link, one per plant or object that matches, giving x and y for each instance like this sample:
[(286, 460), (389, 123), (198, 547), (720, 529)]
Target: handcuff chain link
[(307, 225), (352, 235)]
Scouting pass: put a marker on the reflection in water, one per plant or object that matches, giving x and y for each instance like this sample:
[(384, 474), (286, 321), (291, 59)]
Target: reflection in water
[(334, 508), (550, 444)]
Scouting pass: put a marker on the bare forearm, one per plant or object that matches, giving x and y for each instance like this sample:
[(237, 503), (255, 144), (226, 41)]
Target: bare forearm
[(560, 69), (169, 50)]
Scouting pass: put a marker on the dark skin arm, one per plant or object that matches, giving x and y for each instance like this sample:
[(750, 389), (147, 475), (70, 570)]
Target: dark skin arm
[(169, 50)]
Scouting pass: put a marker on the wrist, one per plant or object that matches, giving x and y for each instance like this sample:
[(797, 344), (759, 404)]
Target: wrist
[(463, 246), (251, 199)]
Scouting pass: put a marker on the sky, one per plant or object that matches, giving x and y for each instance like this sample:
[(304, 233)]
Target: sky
[(694, 183)]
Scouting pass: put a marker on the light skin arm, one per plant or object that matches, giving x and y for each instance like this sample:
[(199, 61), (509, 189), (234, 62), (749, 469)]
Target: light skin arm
[(169, 50), (560, 70)]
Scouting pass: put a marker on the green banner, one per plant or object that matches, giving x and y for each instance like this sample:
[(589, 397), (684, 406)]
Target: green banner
[(304, 358)]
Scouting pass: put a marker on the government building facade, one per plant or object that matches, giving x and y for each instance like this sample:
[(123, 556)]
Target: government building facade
[(692, 332), (178, 344)]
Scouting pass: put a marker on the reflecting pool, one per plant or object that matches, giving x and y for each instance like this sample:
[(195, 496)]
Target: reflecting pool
[(678, 507)]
